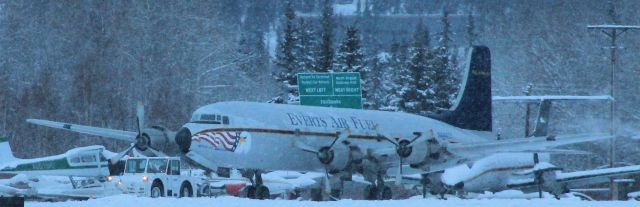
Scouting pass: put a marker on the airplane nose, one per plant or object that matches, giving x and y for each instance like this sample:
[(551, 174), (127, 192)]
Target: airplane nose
[(183, 139)]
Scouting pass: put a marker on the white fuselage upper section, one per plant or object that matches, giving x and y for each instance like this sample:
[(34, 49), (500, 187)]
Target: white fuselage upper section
[(261, 135)]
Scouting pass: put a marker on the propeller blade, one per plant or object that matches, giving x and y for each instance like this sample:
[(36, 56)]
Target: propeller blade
[(156, 152), (140, 116), (390, 140), (399, 175), (304, 147), (327, 183), (120, 155), (341, 137), (421, 138)]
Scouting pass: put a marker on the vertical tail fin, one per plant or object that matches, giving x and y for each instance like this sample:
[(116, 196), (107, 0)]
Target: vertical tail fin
[(6, 155), (472, 107)]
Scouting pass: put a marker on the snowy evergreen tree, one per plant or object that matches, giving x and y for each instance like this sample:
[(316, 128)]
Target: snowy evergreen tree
[(286, 56), (325, 54), (306, 47), (442, 70), (443, 75), (394, 82), (350, 56), (377, 81), (471, 29), (445, 35), (414, 78)]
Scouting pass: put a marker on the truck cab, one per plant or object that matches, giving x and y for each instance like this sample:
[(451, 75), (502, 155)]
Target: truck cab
[(155, 177)]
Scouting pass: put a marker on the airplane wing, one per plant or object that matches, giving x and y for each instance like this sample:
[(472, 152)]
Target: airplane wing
[(580, 178), (533, 144), (96, 131)]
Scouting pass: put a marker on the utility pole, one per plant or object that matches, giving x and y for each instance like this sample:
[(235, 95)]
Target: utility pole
[(527, 92), (613, 31)]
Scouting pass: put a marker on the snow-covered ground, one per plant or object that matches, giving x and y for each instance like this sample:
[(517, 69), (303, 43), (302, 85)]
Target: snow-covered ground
[(227, 201)]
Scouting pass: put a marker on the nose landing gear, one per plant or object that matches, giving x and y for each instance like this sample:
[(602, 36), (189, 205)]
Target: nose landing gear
[(257, 190)]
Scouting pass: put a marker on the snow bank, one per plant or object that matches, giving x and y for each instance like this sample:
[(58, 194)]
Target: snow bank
[(128, 200)]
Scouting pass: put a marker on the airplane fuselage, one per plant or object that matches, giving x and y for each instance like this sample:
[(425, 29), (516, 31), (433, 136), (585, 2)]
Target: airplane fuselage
[(261, 136)]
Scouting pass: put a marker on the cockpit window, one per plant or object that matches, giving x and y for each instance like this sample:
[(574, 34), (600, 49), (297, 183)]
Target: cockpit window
[(210, 119)]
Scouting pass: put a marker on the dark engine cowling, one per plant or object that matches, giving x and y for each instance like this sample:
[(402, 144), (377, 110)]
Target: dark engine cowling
[(343, 157), (183, 139), (158, 138)]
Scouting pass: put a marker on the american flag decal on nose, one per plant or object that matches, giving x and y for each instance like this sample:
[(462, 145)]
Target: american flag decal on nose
[(227, 141)]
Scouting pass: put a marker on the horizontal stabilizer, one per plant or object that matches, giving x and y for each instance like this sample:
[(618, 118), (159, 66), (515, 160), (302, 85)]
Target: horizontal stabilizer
[(552, 151), (96, 131), (522, 145), (536, 99)]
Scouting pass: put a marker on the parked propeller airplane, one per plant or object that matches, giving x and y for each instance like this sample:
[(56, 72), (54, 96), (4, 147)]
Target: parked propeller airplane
[(527, 172), (259, 137), (85, 167)]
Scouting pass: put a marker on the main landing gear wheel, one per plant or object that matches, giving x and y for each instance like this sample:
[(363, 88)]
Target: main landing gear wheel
[(371, 193), (386, 193), (262, 192), (316, 194), (251, 192), (335, 194)]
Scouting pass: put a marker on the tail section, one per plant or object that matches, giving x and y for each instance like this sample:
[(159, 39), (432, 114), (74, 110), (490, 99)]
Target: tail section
[(472, 108), (6, 155)]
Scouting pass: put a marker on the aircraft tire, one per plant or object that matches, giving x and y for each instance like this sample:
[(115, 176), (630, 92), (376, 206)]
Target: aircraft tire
[(386, 193), (157, 190), (335, 194), (186, 190), (251, 192), (370, 192), (262, 192), (315, 194)]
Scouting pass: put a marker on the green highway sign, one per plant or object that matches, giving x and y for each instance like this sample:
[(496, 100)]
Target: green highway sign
[(340, 90)]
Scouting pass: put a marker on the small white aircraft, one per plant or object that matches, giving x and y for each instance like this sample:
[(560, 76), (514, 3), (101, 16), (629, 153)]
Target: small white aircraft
[(85, 167), (521, 171), (259, 137)]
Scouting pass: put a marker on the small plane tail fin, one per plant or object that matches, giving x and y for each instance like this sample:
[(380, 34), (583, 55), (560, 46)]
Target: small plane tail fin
[(472, 107), (6, 155)]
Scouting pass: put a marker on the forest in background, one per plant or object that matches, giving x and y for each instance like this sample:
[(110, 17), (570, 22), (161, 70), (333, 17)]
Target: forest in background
[(89, 62)]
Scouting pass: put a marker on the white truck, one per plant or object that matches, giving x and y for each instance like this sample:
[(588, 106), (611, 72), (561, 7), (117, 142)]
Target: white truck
[(156, 177)]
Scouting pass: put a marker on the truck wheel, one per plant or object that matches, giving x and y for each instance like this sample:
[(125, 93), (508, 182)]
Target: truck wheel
[(157, 190), (186, 190)]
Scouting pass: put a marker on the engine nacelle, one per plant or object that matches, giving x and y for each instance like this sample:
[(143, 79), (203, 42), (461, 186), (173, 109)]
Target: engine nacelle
[(343, 158), (430, 152), (157, 138)]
